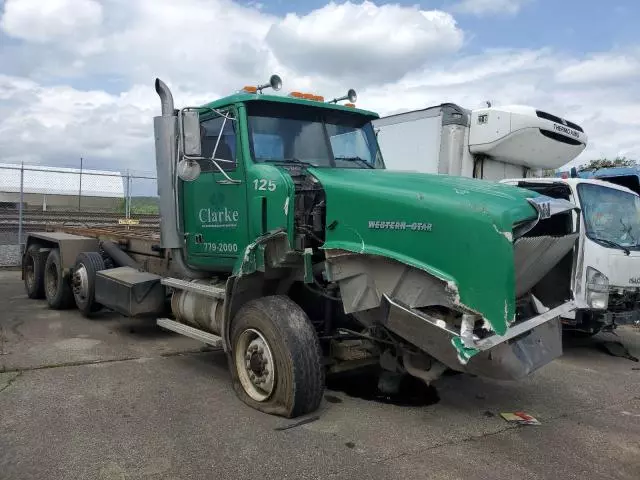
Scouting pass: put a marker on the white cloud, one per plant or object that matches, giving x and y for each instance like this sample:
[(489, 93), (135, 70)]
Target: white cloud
[(378, 42), (601, 68), (59, 124), (62, 101), (489, 7), (43, 21)]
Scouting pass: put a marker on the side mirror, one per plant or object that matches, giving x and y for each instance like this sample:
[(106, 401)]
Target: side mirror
[(192, 143)]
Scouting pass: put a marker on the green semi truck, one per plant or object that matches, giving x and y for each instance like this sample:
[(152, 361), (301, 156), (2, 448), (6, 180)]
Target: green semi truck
[(285, 241)]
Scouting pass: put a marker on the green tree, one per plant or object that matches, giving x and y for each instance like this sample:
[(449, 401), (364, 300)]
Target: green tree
[(599, 163)]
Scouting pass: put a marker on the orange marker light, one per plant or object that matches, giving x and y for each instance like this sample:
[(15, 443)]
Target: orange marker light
[(250, 89), (352, 105), (297, 94)]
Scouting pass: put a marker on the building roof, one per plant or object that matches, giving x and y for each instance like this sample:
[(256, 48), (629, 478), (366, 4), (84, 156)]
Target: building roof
[(61, 181)]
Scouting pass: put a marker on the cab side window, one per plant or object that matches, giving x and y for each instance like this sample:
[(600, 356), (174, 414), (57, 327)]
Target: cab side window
[(225, 154)]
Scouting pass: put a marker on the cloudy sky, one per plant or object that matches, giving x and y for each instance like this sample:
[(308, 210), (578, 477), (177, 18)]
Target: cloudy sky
[(76, 76)]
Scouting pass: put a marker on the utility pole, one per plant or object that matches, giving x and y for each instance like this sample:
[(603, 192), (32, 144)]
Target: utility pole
[(20, 208), (80, 189), (128, 199)]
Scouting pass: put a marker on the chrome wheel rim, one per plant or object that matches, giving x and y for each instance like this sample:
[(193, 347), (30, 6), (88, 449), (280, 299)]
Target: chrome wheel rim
[(80, 283), (254, 364)]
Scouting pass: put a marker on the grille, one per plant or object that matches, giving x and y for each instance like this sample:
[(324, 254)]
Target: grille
[(623, 301)]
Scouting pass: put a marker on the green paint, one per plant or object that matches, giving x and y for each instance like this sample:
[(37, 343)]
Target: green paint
[(464, 244), (464, 353)]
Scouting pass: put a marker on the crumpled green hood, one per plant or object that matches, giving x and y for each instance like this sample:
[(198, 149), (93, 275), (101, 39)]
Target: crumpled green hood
[(458, 229)]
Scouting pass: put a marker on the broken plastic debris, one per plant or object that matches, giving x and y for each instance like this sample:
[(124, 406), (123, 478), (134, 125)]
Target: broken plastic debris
[(617, 349), (520, 418), (466, 331), (304, 421), (464, 353)]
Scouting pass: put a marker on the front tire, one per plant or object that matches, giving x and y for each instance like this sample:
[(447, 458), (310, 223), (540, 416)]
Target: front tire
[(276, 358), (83, 282), (56, 285)]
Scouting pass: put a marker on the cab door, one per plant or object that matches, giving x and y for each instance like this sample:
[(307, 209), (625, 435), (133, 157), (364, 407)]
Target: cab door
[(214, 206)]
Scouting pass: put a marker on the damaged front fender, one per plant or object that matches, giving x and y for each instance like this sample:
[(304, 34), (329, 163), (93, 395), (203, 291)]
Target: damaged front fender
[(423, 221)]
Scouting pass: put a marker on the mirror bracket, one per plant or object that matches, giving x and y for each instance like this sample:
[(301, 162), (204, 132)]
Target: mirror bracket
[(190, 142)]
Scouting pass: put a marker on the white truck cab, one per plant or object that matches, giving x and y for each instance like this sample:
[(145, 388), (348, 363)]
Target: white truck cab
[(514, 144), (605, 266)]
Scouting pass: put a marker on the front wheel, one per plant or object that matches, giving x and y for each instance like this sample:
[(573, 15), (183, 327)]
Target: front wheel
[(276, 358)]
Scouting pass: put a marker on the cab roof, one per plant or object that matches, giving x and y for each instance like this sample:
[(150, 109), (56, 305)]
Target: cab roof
[(570, 181), (244, 97)]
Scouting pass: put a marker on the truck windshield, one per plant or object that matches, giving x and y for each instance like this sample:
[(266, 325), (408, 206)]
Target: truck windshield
[(311, 135), (612, 217)]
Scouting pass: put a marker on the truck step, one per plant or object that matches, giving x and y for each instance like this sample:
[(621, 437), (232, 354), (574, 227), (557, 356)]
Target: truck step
[(187, 331), (200, 288)]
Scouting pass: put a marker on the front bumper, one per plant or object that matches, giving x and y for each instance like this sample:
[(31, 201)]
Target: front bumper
[(599, 319), (622, 318), (524, 348)]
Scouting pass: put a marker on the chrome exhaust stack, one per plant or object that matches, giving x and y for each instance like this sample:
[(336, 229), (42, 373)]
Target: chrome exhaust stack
[(166, 132)]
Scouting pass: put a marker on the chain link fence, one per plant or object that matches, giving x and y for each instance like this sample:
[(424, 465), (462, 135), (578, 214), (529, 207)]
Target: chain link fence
[(37, 198)]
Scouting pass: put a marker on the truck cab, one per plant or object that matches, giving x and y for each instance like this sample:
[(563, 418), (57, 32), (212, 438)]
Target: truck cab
[(606, 259), (254, 150)]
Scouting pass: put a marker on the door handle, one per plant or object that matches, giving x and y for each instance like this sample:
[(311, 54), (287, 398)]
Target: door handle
[(229, 181)]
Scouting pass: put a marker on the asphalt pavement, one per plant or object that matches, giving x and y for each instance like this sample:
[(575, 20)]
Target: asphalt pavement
[(113, 398)]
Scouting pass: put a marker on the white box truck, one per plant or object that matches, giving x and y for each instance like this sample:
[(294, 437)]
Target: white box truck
[(515, 144)]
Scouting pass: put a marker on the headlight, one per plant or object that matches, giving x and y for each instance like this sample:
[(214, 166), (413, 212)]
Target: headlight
[(597, 289)]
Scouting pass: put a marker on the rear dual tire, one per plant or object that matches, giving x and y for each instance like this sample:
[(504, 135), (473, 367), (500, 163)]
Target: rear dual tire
[(83, 282), (33, 266), (56, 283)]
